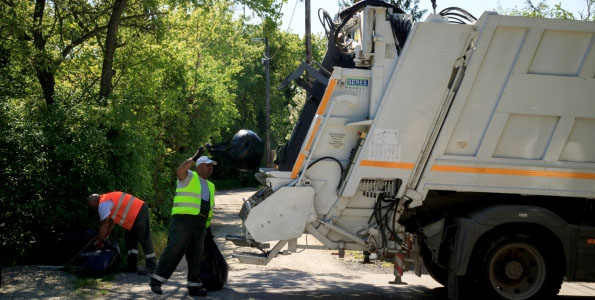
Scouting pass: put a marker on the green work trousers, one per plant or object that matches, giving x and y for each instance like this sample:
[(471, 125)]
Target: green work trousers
[(140, 232), (186, 237)]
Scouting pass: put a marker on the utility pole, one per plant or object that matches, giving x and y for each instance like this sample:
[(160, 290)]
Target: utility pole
[(266, 60), (268, 103), (308, 34), (308, 39)]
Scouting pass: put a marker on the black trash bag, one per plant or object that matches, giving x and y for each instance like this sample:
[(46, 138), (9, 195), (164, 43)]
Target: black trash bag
[(100, 261), (214, 268), (244, 150), (70, 242)]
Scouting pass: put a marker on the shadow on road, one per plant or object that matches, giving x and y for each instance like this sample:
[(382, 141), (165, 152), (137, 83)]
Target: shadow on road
[(282, 281), (294, 285)]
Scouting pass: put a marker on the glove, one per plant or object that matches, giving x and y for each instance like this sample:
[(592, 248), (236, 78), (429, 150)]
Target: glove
[(198, 153)]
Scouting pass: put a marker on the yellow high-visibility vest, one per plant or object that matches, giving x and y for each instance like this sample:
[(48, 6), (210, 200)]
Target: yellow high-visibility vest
[(187, 199)]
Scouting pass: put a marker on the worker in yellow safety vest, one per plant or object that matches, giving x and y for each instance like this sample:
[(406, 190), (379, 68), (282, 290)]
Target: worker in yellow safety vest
[(133, 215), (191, 218)]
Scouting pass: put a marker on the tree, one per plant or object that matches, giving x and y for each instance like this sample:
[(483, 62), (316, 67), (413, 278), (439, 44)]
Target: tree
[(588, 13), (539, 10), (50, 32), (107, 73), (47, 32), (409, 6), (175, 87)]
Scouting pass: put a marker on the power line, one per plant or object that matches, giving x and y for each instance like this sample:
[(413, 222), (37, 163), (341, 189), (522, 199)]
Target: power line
[(291, 19), (286, 30)]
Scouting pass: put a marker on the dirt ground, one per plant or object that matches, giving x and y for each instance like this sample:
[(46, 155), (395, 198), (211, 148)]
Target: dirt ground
[(308, 274)]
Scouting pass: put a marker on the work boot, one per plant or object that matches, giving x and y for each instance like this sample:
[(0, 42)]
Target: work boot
[(145, 272), (156, 286), (156, 289), (151, 265), (130, 264), (128, 269), (197, 291)]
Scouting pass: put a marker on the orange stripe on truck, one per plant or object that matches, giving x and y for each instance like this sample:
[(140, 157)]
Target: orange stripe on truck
[(312, 135), (513, 172), (321, 108), (386, 164), (327, 95), (298, 165)]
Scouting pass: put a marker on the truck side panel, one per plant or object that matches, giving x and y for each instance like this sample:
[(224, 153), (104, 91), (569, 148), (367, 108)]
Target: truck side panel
[(522, 121)]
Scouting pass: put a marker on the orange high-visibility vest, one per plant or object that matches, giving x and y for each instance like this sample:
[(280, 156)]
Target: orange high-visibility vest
[(125, 209)]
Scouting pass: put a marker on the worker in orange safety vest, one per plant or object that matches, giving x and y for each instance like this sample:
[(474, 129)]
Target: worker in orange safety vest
[(132, 214)]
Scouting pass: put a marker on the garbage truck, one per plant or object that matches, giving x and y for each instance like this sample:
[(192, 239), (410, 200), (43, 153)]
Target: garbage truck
[(467, 144)]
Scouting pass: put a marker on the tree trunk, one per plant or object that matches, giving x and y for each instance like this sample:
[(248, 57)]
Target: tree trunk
[(110, 49), (45, 75), (42, 61)]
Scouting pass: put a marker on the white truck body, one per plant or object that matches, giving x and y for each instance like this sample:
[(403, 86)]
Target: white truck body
[(501, 108)]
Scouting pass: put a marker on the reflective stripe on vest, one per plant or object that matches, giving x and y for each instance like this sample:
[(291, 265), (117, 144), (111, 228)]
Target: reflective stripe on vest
[(187, 204), (125, 214), (189, 194), (125, 208)]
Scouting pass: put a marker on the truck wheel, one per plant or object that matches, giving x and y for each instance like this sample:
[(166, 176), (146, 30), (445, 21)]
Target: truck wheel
[(518, 266), (437, 272)]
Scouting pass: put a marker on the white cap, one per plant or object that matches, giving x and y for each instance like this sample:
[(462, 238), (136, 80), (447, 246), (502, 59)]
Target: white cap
[(205, 160)]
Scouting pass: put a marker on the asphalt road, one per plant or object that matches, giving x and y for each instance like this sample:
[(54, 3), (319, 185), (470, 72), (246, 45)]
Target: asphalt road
[(318, 274), (308, 274)]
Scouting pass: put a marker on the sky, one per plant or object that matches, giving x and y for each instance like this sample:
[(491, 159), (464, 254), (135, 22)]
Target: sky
[(475, 7)]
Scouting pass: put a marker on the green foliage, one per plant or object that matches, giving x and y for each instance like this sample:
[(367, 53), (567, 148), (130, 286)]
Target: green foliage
[(48, 153), (539, 10), (185, 73), (92, 287), (409, 6), (159, 234)]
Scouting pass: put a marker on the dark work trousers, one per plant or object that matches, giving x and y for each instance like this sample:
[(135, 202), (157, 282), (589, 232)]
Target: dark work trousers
[(140, 232), (186, 237)]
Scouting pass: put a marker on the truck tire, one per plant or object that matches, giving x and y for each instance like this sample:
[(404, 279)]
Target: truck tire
[(516, 265), (437, 272)]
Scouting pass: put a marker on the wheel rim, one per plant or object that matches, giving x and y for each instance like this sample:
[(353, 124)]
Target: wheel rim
[(517, 271)]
